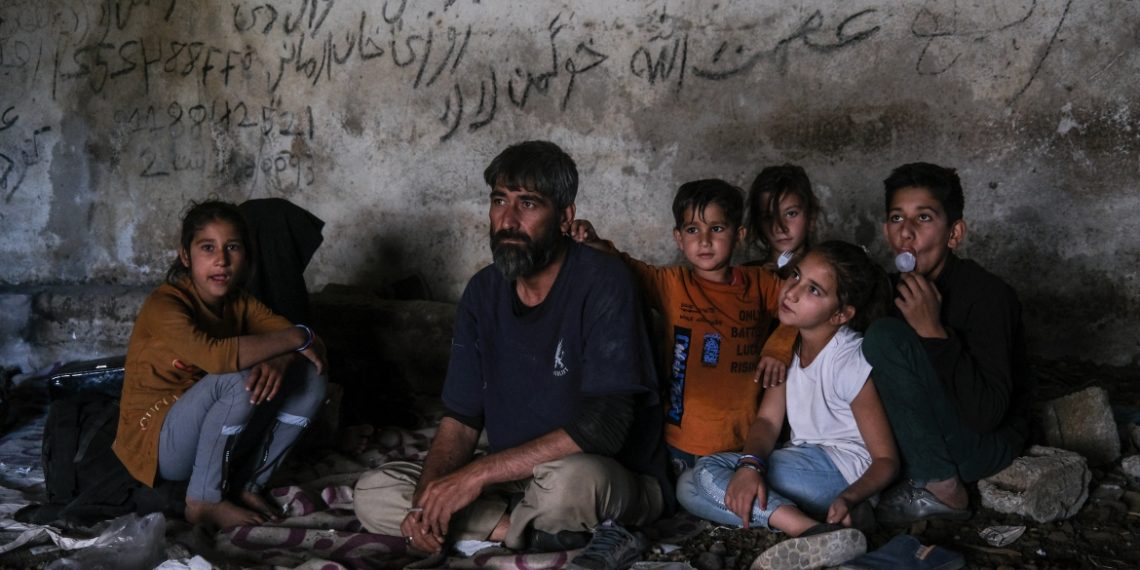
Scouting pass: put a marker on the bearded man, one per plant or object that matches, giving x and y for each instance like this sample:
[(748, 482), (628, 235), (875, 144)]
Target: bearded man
[(551, 357)]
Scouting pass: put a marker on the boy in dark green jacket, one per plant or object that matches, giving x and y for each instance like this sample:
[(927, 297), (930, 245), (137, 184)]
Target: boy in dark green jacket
[(951, 368)]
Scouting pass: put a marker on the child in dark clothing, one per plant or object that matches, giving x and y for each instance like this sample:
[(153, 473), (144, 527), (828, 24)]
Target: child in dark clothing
[(957, 335)]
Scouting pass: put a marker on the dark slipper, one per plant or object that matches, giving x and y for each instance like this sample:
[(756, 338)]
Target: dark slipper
[(905, 552)]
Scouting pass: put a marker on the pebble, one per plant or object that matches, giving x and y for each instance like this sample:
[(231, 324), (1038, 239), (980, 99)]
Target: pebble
[(1107, 491), (1131, 466), (1099, 536), (709, 561), (1132, 499)]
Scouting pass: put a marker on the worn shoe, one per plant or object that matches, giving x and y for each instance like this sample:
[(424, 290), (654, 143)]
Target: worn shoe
[(905, 503), (611, 548), (905, 552), (541, 541), (822, 546)]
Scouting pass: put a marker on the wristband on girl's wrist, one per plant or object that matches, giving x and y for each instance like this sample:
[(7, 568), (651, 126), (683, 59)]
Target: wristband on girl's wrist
[(748, 458), (308, 338), (753, 467)]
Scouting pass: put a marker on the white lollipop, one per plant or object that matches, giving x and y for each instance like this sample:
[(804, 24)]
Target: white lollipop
[(784, 259), (904, 262)]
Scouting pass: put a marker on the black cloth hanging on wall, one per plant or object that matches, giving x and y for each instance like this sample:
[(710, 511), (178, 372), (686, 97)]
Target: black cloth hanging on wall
[(285, 238)]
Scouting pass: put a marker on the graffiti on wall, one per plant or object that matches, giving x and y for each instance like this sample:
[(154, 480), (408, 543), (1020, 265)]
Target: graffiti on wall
[(233, 103)]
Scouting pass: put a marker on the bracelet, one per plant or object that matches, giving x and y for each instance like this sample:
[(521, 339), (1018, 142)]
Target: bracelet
[(755, 468), (753, 459), (308, 340)]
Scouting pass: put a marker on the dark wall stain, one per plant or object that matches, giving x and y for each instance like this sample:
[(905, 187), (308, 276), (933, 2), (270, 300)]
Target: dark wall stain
[(850, 129)]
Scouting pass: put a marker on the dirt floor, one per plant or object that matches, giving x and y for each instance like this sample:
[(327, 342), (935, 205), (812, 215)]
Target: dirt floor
[(1104, 534)]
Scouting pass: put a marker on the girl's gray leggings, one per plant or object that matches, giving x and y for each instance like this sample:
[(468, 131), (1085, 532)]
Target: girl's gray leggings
[(213, 425)]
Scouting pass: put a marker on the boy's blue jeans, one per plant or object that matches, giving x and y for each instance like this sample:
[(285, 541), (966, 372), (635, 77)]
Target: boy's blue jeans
[(800, 476)]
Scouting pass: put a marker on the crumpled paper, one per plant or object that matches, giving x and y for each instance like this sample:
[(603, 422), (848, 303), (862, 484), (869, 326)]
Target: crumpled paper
[(1000, 536)]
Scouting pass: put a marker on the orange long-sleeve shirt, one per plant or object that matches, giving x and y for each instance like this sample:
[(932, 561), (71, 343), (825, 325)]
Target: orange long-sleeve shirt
[(716, 333)]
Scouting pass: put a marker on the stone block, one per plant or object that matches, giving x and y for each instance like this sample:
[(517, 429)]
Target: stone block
[(15, 311), (1107, 492), (1045, 485), (1131, 467), (1083, 422), (85, 322), (412, 336), (1135, 431), (42, 325)]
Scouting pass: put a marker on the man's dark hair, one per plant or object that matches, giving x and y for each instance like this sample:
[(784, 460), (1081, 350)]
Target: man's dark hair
[(698, 194), (538, 166), (777, 182), (942, 183)]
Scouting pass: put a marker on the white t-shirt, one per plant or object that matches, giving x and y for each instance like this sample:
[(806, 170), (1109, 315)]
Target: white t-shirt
[(819, 402)]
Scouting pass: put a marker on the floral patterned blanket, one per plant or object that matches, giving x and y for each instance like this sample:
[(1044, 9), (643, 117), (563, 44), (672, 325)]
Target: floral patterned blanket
[(315, 490)]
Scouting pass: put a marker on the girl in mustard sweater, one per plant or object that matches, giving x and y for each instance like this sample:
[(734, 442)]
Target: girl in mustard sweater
[(213, 378)]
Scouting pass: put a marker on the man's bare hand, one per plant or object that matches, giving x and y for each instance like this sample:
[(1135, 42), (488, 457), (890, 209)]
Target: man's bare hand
[(417, 534), (443, 497)]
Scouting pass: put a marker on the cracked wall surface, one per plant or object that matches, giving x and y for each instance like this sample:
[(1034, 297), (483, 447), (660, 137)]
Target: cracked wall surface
[(380, 116)]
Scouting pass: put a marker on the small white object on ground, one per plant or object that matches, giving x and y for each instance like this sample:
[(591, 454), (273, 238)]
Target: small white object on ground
[(470, 547), (1000, 536)]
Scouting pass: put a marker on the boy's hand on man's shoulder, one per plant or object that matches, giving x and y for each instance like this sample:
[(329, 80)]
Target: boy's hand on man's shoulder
[(582, 231)]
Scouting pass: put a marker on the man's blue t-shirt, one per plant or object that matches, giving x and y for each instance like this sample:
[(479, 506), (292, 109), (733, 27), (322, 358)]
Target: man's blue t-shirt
[(527, 374)]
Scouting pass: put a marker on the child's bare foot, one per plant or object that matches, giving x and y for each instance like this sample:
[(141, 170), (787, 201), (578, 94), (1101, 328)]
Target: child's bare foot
[(354, 439), (261, 505), (223, 515)]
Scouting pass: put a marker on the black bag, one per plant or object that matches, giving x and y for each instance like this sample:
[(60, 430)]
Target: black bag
[(84, 479), (80, 428)]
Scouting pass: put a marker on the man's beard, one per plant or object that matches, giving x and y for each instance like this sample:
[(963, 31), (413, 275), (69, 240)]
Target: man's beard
[(524, 259)]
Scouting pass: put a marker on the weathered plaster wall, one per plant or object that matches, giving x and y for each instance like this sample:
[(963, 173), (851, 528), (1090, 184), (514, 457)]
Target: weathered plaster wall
[(379, 116)]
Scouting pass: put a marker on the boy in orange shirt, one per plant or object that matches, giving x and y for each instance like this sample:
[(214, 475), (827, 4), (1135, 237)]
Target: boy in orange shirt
[(717, 317)]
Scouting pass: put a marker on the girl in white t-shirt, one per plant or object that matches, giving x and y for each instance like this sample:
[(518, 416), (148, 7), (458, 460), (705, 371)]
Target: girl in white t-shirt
[(841, 451)]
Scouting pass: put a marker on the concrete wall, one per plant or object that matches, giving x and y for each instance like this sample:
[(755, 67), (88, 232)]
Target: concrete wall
[(379, 116)]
